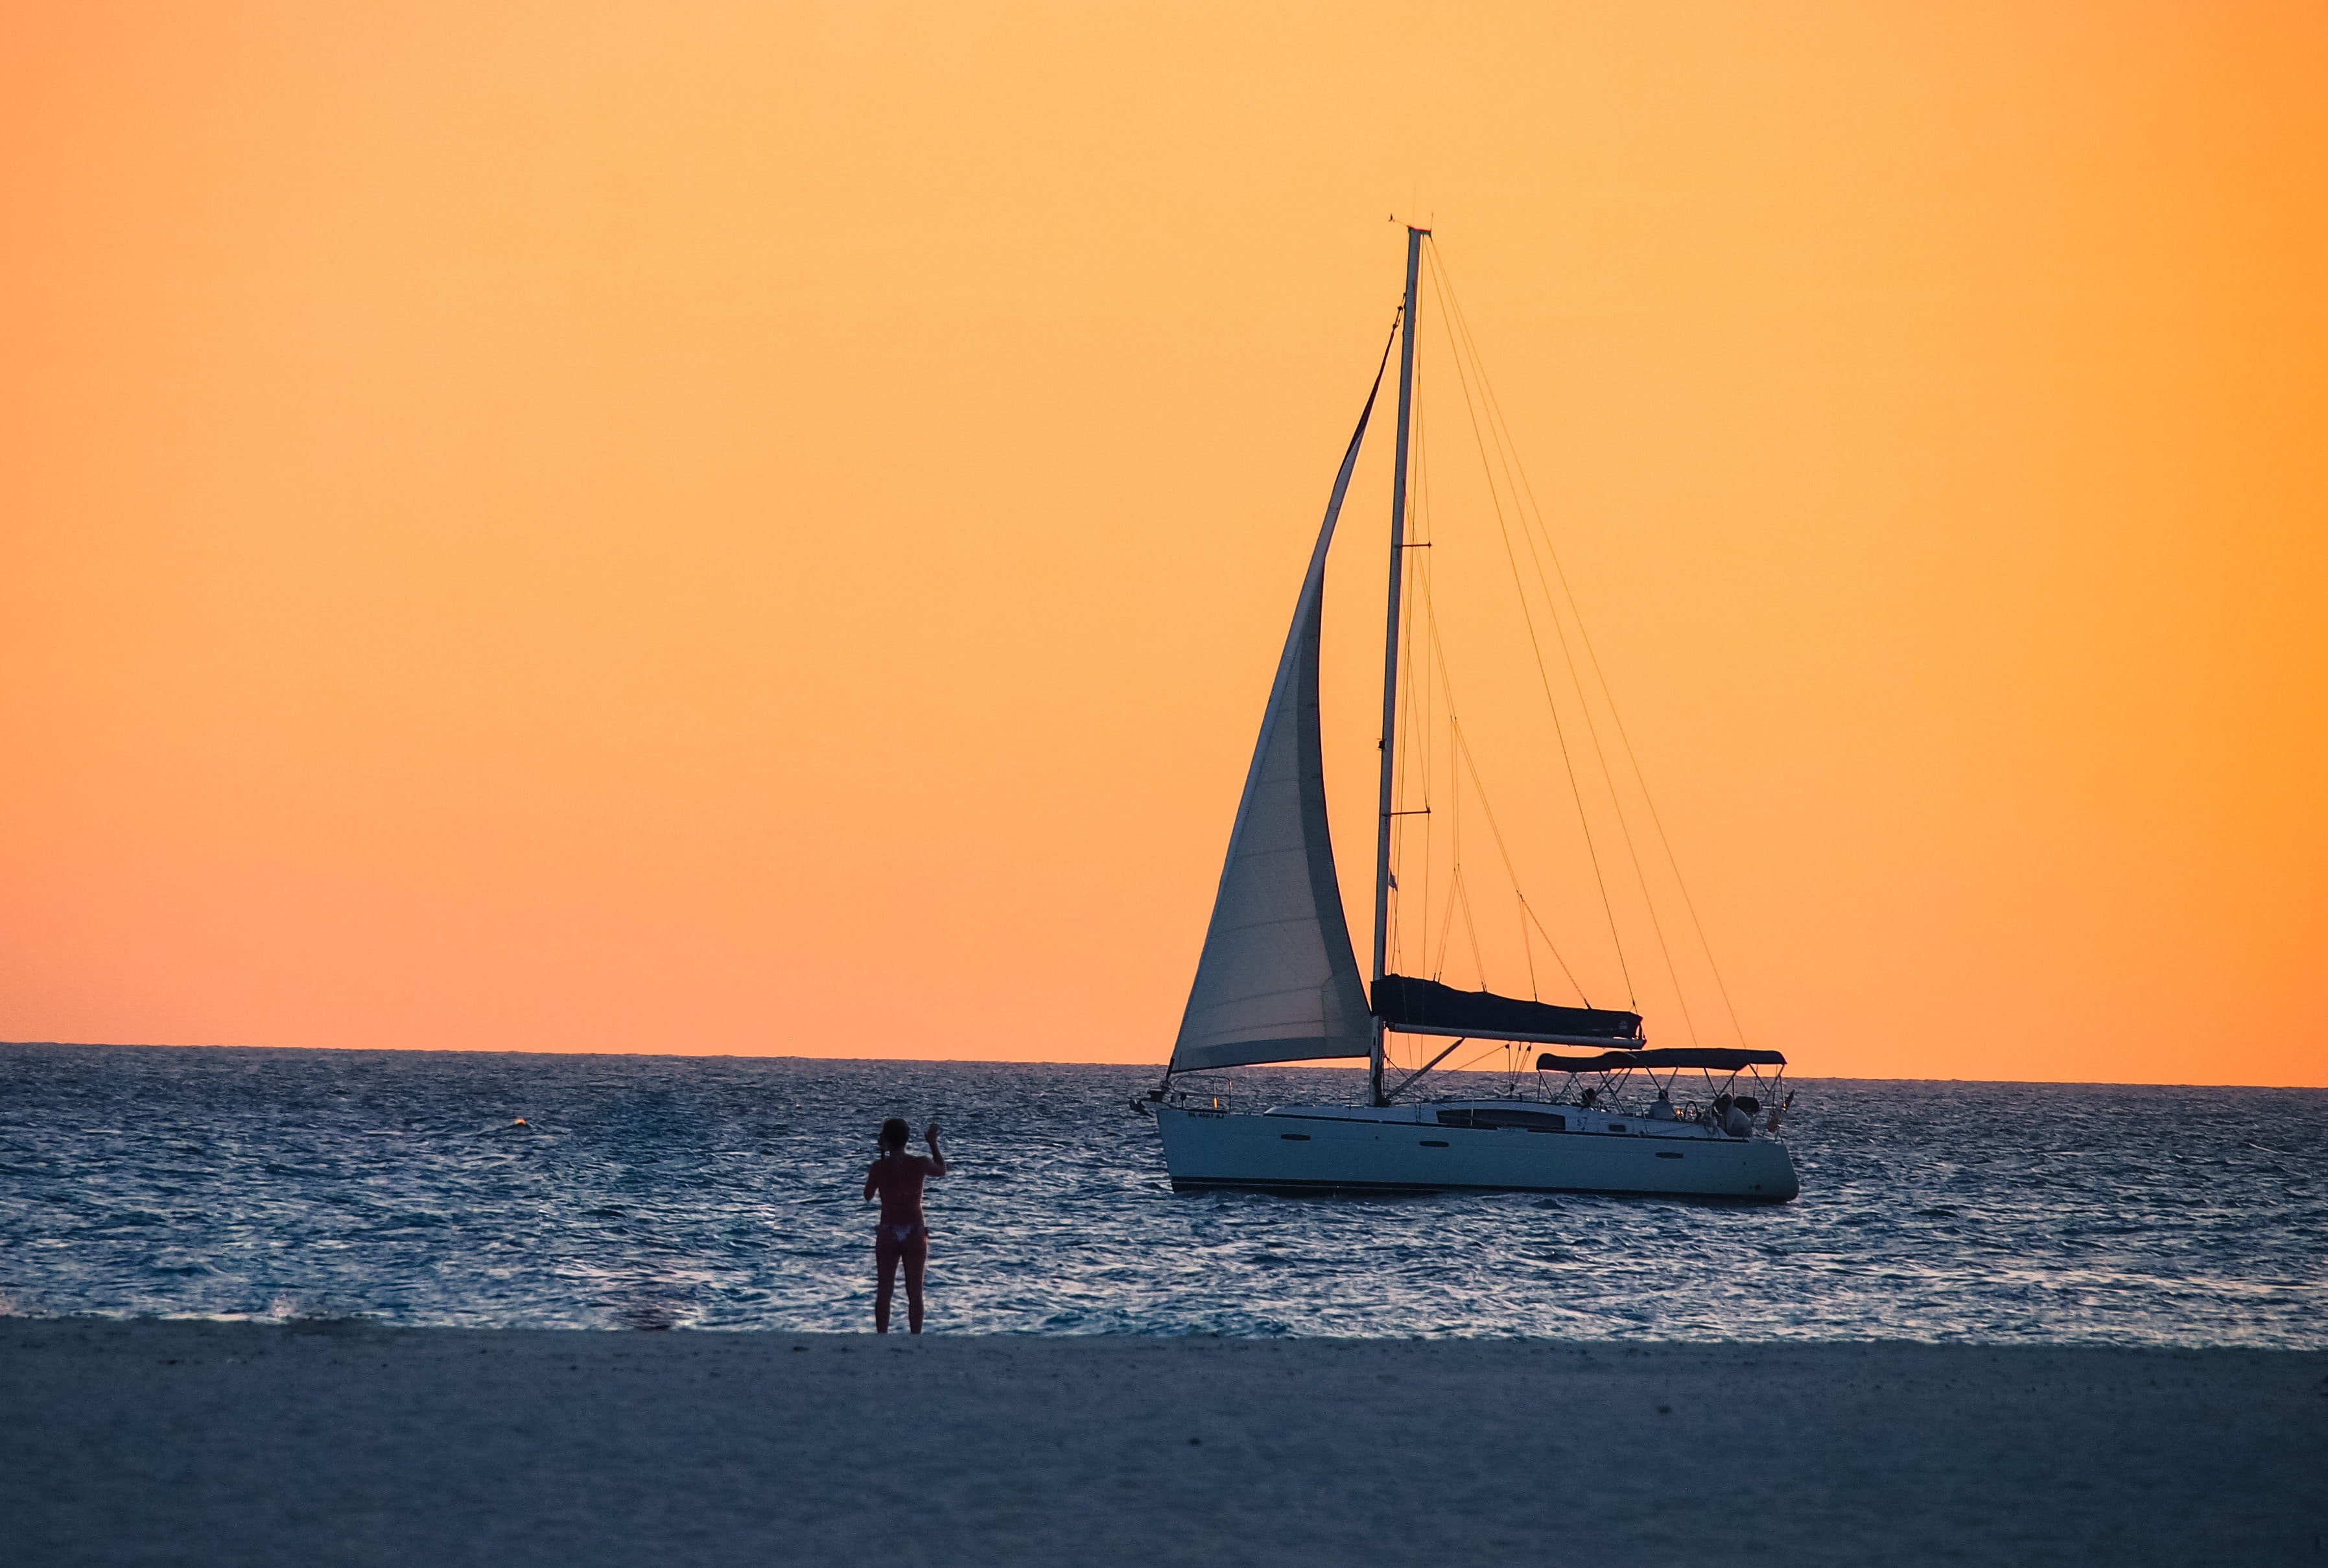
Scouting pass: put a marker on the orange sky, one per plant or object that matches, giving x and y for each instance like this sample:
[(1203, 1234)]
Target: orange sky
[(767, 529)]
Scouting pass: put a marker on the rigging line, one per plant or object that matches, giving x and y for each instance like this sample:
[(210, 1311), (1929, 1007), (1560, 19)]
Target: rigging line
[(1455, 870), (1493, 1047), (1528, 948), (1437, 650), (1544, 674), (1459, 749), (1394, 823), (1425, 613), (1435, 665), (1459, 894), (1507, 453), (1458, 325), (1438, 961), (1459, 331), (1471, 934), (1592, 655), (1456, 900), (1554, 948), (1402, 792)]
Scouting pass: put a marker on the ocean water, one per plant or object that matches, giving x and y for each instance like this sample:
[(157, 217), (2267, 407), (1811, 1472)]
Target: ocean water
[(651, 1192)]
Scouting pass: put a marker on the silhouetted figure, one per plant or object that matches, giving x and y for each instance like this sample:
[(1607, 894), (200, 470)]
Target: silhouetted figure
[(902, 1235)]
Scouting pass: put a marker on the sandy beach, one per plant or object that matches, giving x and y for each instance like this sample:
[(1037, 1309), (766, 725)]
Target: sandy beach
[(343, 1443)]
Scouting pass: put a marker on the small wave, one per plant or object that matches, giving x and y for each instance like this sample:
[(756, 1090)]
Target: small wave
[(725, 1193)]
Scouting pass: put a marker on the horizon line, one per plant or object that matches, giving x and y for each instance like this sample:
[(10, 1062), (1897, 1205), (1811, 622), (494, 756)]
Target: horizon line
[(1013, 1062)]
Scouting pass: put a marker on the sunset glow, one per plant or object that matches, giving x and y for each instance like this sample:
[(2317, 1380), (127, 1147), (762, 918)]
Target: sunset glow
[(696, 529)]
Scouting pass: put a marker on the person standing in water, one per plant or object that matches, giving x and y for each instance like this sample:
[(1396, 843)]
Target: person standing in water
[(902, 1235)]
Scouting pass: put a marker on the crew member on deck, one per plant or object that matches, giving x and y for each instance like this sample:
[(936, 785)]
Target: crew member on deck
[(902, 1235)]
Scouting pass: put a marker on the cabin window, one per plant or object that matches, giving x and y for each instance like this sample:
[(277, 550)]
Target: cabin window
[(1434, 1143), (1616, 1126), (1295, 1137), (1499, 1116), (1662, 1154)]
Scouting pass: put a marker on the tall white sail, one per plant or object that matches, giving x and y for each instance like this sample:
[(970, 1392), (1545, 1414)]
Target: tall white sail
[(1278, 981)]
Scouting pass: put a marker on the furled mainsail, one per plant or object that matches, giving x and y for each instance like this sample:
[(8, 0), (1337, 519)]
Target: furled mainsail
[(1278, 981), (1425, 1007)]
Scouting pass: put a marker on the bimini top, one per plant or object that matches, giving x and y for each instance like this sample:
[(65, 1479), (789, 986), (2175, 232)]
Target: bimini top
[(1680, 1057)]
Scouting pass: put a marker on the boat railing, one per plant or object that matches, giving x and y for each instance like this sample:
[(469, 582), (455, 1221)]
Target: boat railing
[(1612, 1091), (1208, 1092)]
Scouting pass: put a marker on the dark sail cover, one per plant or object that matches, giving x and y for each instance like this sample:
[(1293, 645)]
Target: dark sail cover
[(1425, 1007), (1679, 1056)]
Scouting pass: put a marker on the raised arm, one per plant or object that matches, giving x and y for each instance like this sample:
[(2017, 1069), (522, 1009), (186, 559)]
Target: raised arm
[(937, 1155)]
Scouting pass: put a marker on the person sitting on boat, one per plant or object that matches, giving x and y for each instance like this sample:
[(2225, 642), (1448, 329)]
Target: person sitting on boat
[(1587, 1098), (1662, 1109), (902, 1235), (1735, 1120)]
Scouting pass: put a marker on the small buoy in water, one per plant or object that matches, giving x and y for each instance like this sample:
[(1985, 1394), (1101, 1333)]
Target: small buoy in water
[(519, 1122)]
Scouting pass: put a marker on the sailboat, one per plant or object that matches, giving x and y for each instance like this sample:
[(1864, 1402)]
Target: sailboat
[(1277, 981)]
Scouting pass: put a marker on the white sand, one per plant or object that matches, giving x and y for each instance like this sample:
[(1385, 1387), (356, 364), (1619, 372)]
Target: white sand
[(194, 1443)]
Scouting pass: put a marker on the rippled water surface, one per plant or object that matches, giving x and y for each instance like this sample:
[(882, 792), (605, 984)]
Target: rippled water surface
[(722, 1192)]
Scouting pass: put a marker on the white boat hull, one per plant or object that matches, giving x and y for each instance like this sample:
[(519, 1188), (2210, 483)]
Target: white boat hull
[(1406, 1149)]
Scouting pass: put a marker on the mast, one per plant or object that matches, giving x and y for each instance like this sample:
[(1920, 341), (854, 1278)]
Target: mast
[(1414, 238)]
